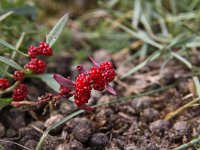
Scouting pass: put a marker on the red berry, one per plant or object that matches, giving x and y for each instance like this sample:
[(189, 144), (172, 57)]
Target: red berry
[(20, 92), (99, 85), (82, 89), (106, 66), (4, 83), (64, 90), (45, 49), (18, 75), (36, 65), (33, 51), (94, 73), (109, 75)]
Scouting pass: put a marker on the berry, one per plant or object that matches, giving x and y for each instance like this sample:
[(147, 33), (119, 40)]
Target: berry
[(94, 73), (36, 65), (109, 75), (4, 83), (33, 51), (45, 49), (64, 90), (99, 85), (20, 92), (82, 89), (106, 66), (18, 75)]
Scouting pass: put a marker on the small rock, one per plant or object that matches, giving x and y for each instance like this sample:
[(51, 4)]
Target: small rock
[(131, 147), (66, 107), (72, 145), (15, 118), (51, 142), (32, 144), (38, 124), (2, 130), (54, 119), (141, 103), (75, 145), (83, 130), (99, 139), (150, 114), (181, 129), (159, 126), (11, 133)]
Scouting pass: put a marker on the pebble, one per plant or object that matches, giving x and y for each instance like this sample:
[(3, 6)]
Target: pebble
[(130, 147), (159, 126), (181, 129), (141, 103), (52, 120), (150, 114), (32, 144), (10, 132), (99, 139), (2, 130), (15, 118), (83, 130)]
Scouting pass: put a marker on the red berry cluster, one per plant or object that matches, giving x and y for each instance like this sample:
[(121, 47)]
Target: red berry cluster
[(102, 75), (36, 65), (4, 83), (20, 92), (97, 78)]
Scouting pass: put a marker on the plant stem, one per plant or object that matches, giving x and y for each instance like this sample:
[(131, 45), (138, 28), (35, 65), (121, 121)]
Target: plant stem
[(174, 113)]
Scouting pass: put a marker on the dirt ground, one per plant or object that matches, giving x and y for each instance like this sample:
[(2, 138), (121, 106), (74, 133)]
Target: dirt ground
[(137, 124)]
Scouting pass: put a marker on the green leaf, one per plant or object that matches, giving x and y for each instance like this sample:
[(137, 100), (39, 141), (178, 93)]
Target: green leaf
[(4, 43), (56, 31), (48, 79), (4, 102), (11, 63), (144, 63)]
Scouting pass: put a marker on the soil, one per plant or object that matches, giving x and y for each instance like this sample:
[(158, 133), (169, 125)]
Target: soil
[(137, 124)]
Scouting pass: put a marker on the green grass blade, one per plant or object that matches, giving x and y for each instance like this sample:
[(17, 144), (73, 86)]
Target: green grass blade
[(182, 59), (56, 31), (9, 46), (197, 85), (144, 63), (11, 63), (4, 16)]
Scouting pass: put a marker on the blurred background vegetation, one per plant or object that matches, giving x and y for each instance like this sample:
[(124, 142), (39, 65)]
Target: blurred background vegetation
[(137, 27)]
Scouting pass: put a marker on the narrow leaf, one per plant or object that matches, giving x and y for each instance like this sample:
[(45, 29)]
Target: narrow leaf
[(48, 79), (182, 59), (63, 81), (110, 89), (144, 63), (4, 43), (4, 102), (56, 31), (2, 17), (11, 63)]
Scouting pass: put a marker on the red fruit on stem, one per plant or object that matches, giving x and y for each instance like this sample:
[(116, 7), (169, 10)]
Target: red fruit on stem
[(82, 89), (45, 49), (64, 90), (36, 66), (33, 51), (106, 66), (18, 75), (4, 83), (20, 92), (109, 75)]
